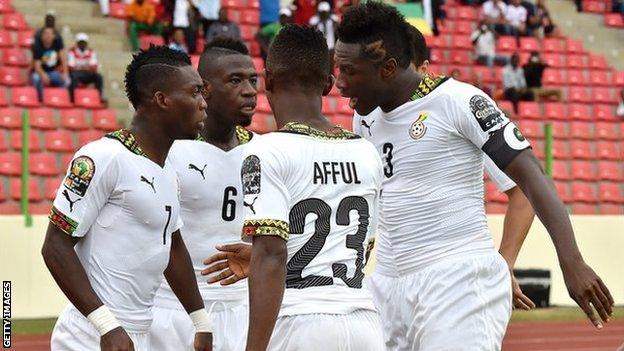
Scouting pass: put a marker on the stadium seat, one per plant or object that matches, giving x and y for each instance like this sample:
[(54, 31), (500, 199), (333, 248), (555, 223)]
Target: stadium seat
[(263, 123), (258, 64), (74, 119), (552, 45), (604, 112), (529, 110), (599, 78), (34, 191), (43, 164), (437, 56), (56, 97), (552, 77), (262, 104), (467, 13), (563, 188), (581, 150), (10, 209), (5, 38), (88, 136), (435, 41), (610, 192), (67, 157), (15, 57), (505, 105), (603, 95), (597, 62), (560, 129), (10, 163), (554, 110), (583, 192), (560, 170), (583, 170), (328, 107), (10, 118), (250, 17), (464, 27), (593, 6), (146, 40), (342, 107), (531, 129), (492, 194), (576, 77), (41, 118), (607, 130), (14, 21), (117, 10), (195, 60), (254, 48), (575, 61), (3, 98), (232, 3), (105, 120), (610, 171), (584, 209), (614, 20), (538, 148), (4, 142), (560, 150), (247, 32), (578, 94), (581, 130), (25, 38), (554, 60), (6, 6), (506, 44), (50, 187), (11, 76), (574, 46), (529, 44), (617, 78), (59, 140), (611, 209), (34, 142), (579, 112), (459, 41), (88, 98), (3, 194), (40, 208), (25, 97), (609, 150), (460, 57)]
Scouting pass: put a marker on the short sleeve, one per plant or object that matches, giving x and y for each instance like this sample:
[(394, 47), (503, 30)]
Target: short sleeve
[(502, 181), (478, 119), (87, 186), (37, 52), (265, 196)]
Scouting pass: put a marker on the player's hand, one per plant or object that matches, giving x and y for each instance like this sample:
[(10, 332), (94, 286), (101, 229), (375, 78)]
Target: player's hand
[(203, 342), (116, 340), (587, 290), (520, 300), (232, 263)]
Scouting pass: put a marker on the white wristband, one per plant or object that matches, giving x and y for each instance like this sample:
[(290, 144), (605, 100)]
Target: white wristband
[(103, 320), (201, 321)]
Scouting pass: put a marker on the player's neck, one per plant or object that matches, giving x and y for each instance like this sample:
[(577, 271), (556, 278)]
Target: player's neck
[(152, 138), (221, 135), (401, 90), (293, 106)]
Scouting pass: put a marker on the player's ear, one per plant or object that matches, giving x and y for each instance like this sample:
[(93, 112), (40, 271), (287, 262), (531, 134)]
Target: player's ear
[(268, 80), (423, 68), (388, 68), (161, 99), (329, 84)]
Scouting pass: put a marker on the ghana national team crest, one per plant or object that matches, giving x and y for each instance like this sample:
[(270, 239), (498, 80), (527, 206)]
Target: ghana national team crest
[(418, 128)]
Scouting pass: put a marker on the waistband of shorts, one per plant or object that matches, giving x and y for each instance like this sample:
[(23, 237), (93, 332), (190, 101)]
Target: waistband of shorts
[(128, 326), (211, 305)]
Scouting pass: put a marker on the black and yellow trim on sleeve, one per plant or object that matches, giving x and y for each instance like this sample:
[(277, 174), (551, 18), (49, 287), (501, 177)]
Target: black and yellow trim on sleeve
[(128, 140), (61, 221), (427, 85), (336, 133), (261, 227)]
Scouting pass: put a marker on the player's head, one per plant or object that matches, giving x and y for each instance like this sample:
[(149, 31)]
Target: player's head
[(374, 45), (231, 81), (163, 87), (298, 59)]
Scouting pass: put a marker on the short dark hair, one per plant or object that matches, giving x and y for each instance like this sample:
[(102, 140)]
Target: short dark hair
[(150, 69), (372, 22), (218, 47), (300, 55), (420, 46)]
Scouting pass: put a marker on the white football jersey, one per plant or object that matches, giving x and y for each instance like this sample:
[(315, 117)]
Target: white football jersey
[(318, 191), (125, 207), (433, 149), (211, 201)]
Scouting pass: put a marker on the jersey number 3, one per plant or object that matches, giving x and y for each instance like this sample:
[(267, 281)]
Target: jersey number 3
[(388, 167), (312, 247)]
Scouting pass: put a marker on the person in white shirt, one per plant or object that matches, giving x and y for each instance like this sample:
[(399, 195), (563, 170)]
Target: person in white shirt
[(493, 14), (83, 66), (326, 22), (484, 41), (620, 109), (115, 223), (514, 83), (516, 16), (182, 20)]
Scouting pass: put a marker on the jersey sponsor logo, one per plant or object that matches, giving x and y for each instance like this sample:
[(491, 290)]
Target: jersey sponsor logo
[(195, 168), (367, 126), (250, 175), (80, 174), (150, 183), (485, 112), (71, 202), (251, 205), (514, 138), (418, 128)]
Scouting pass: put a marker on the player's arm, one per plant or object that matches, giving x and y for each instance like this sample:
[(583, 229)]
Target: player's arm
[(181, 277), (75, 208)]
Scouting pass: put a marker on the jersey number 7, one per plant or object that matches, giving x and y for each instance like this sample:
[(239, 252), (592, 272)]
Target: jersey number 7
[(312, 247)]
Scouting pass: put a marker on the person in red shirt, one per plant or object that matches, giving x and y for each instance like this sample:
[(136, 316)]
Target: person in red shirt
[(305, 9), (83, 66)]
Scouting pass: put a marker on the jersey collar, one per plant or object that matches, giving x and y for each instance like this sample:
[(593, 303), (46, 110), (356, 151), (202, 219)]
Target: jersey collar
[(427, 85), (242, 134), (337, 133), (128, 140)]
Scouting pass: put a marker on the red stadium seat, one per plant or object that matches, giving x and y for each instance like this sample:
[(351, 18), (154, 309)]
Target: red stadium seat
[(603, 95), (247, 32), (593, 6), (41, 118), (88, 136), (560, 129), (258, 64), (574, 46), (250, 17), (583, 192), (3, 97), (611, 209), (25, 97), (563, 188), (437, 55), (50, 187), (11, 76), (614, 20), (34, 191), (34, 142), (581, 130), (25, 38), (579, 112), (529, 110), (15, 57), (4, 142), (552, 45), (460, 57), (74, 119), (583, 170), (254, 48), (342, 107), (263, 123), (5, 38), (505, 106), (40, 208), (117, 10), (531, 129), (328, 107), (552, 77), (538, 149), (575, 61), (492, 194), (10, 163), (10, 118), (195, 60), (609, 150), (59, 140), (459, 41), (610, 192), (576, 77), (435, 41), (607, 130), (578, 94), (604, 112), (464, 27), (506, 44), (584, 209), (560, 170), (43, 164), (105, 120), (56, 97), (597, 62), (88, 98), (6, 6), (581, 150), (146, 40), (529, 44), (554, 110), (617, 78), (560, 150), (262, 104), (14, 21), (599, 78), (554, 60), (3, 194), (610, 171)]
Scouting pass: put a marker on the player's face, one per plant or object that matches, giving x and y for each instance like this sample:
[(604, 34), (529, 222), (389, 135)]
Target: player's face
[(187, 105), (233, 90), (358, 78)]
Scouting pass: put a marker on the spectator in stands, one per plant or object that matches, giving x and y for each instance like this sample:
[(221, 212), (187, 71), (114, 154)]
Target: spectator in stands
[(184, 20), (516, 16), (620, 109), (326, 22), (303, 11), (514, 83), (209, 12), (104, 7), (545, 21), (477, 81), (493, 14), (83, 66), (178, 41), (49, 22), (269, 31), (484, 41), (142, 17), (49, 63), (223, 28), (618, 6), (533, 72)]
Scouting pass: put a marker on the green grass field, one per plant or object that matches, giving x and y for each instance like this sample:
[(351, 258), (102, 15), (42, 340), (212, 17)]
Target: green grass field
[(44, 326)]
